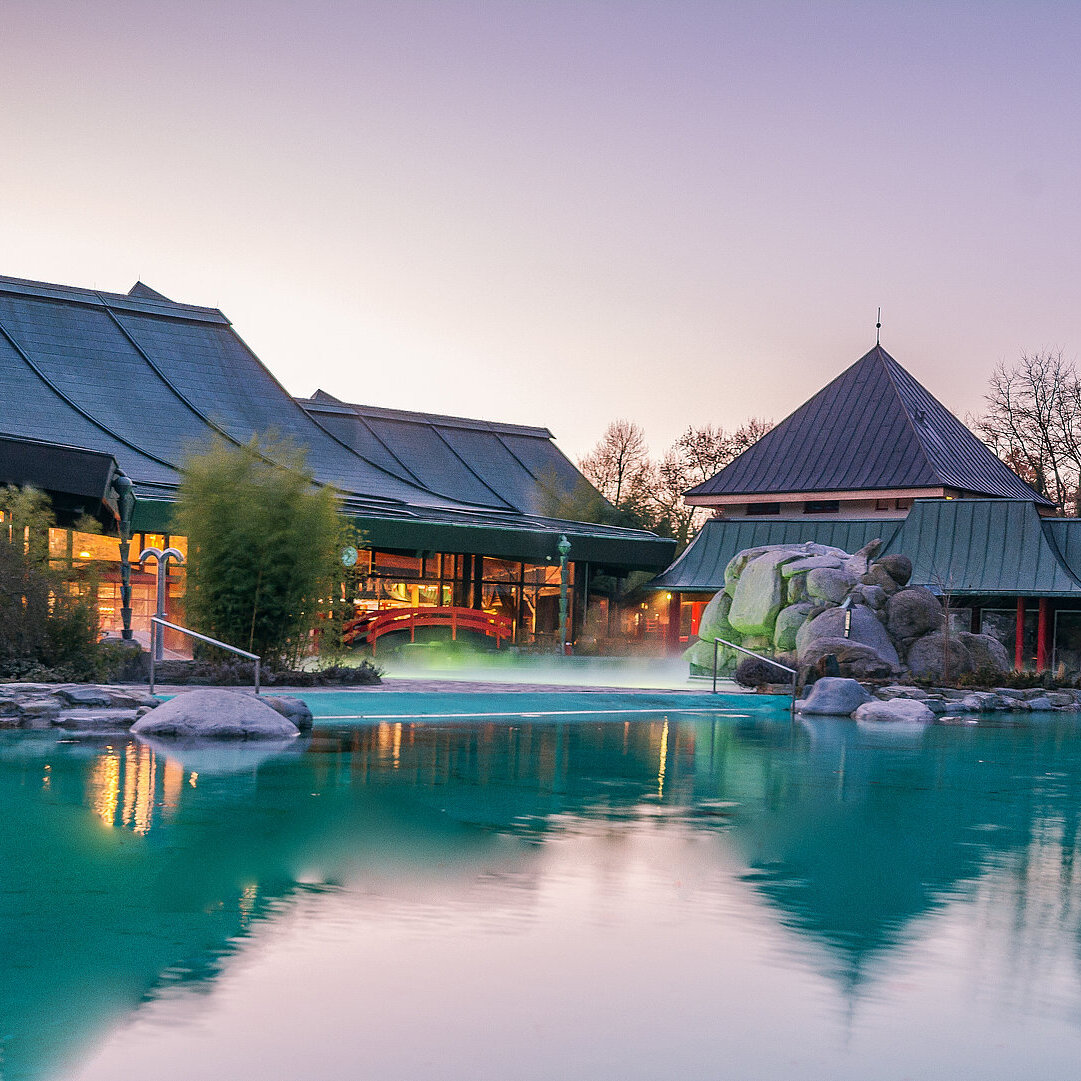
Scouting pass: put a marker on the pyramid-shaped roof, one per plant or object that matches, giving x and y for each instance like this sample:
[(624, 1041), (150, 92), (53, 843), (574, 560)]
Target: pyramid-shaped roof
[(874, 428)]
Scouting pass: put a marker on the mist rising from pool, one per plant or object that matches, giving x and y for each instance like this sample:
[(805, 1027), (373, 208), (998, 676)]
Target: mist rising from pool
[(722, 896)]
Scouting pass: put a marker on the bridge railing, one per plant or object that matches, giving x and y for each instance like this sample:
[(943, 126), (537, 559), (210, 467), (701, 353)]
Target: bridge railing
[(372, 627)]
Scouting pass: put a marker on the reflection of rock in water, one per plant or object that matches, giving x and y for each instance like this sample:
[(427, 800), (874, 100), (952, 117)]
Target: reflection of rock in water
[(221, 757)]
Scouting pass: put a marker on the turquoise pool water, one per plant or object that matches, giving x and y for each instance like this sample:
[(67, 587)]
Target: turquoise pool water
[(708, 895)]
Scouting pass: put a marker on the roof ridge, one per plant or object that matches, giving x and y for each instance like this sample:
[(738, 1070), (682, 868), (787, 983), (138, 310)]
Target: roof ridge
[(904, 408)]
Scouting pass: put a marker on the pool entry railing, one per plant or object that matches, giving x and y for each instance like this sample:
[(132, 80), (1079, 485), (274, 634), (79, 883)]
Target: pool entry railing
[(717, 642), (156, 625)]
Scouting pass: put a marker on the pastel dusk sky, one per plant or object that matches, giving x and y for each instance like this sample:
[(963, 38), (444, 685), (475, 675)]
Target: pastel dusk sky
[(560, 213)]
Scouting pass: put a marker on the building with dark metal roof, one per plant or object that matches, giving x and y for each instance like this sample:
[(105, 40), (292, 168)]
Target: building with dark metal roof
[(869, 442), (875, 455), (456, 512)]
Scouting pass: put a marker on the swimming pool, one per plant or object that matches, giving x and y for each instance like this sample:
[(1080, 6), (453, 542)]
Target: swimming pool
[(721, 895)]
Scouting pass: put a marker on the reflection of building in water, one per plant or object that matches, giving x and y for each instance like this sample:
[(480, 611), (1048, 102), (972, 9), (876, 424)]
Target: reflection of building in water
[(131, 788)]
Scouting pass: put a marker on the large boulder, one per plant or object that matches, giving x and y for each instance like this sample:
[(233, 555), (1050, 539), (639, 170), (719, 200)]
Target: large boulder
[(898, 567), (988, 654), (913, 612), (934, 656), (811, 563), (860, 563), (906, 710), (854, 659), (878, 576), (714, 622), (830, 584), (292, 709), (833, 696), (864, 629), (215, 714), (789, 621), (759, 594)]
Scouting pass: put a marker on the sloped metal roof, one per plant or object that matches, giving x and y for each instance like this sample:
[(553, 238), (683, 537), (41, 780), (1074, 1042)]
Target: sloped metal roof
[(873, 428), (984, 547), (504, 466), (144, 380), (700, 569), (965, 547)]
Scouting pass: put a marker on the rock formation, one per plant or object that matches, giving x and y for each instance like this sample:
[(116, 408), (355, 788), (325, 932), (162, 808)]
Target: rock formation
[(800, 603)]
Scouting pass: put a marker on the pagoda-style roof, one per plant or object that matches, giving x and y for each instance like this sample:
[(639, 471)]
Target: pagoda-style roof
[(963, 547), (141, 380), (874, 428)]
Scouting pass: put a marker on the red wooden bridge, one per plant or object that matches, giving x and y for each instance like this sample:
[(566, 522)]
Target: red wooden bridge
[(373, 625)]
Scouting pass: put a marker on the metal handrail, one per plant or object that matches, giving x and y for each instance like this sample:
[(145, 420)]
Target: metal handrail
[(157, 621), (750, 653)]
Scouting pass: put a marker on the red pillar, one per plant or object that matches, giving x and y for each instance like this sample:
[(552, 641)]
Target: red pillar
[(1043, 635), (1019, 646), (673, 622)]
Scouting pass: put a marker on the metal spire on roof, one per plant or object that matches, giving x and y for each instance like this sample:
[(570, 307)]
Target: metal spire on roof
[(878, 328)]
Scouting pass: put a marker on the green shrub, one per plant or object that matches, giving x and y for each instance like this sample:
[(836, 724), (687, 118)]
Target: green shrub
[(48, 623), (263, 543)]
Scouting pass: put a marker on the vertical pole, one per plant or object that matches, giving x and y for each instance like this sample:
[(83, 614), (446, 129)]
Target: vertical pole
[(126, 504), (159, 642), (1019, 644), (715, 645), (478, 582), (153, 631), (563, 547), (674, 612), (1042, 636)]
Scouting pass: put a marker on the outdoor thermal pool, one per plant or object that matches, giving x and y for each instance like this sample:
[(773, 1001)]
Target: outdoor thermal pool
[(685, 895)]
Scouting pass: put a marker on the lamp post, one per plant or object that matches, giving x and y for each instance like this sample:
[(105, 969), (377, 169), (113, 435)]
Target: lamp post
[(125, 499), (156, 637), (563, 548)]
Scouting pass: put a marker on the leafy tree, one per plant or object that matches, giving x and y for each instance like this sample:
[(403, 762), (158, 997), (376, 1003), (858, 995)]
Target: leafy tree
[(48, 620), (263, 543)]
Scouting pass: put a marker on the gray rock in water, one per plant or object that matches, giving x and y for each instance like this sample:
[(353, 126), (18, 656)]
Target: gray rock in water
[(825, 584), (1042, 703), (84, 696), (292, 709), (898, 567), (215, 714), (988, 654), (906, 710), (865, 629), (789, 621), (833, 696), (913, 612), (86, 720), (902, 690), (935, 657)]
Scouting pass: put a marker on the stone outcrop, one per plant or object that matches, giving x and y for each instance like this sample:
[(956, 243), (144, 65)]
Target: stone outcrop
[(906, 710), (208, 713), (825, 605), (74, 707), (834, 696)]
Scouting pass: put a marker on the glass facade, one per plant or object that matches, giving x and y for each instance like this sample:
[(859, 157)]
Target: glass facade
[(526, 593)]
